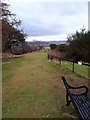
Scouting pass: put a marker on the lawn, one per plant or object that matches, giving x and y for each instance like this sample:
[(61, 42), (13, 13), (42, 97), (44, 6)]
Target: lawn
[(80, 70), (32, 88)]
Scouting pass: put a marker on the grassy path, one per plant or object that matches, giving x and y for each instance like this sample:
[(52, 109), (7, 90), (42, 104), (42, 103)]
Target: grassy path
[(32, 88)]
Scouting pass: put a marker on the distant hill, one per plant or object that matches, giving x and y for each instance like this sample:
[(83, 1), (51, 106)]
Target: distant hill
[(47, 43)]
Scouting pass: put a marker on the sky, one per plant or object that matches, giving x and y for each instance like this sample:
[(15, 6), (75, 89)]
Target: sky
[(49, 20)]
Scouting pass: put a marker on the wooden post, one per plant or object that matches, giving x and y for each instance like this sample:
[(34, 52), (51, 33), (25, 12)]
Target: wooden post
[(73, 66), (59, 61)]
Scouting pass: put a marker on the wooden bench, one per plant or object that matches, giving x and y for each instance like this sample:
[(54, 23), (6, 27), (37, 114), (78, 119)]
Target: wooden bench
[(80, 101)]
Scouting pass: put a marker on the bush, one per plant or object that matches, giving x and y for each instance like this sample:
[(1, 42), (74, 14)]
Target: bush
[(53, 46), (62, 47)]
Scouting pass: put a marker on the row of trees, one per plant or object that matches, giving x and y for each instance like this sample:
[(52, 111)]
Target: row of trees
[(11, 31), (77, 47)]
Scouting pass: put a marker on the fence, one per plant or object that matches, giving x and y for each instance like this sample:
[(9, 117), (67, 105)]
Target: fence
[(80, 69)]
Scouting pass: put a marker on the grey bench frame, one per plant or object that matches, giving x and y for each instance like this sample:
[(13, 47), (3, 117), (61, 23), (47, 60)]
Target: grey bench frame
[(80, 101)]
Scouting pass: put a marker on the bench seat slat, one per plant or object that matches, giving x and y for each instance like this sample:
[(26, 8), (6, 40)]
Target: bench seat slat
[(83, 105)]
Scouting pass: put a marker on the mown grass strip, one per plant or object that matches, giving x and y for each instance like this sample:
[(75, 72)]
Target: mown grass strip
[(32, 88)]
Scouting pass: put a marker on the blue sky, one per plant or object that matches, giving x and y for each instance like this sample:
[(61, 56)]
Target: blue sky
[(50, 20)]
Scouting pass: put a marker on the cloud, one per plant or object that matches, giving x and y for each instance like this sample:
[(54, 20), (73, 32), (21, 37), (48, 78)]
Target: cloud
[(47, 38), (51, 18)]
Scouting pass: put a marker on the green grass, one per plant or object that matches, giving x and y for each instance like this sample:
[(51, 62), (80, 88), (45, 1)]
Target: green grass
[(32, 88), (9, 68), (80, 70)]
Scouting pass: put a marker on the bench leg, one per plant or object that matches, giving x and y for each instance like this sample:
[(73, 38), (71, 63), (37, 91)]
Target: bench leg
[(67, 100)]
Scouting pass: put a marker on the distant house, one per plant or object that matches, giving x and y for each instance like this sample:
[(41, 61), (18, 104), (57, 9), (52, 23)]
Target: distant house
[(47, 48)]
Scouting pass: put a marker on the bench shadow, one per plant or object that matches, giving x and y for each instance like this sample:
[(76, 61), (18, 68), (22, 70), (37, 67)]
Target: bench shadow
[(69, 112)]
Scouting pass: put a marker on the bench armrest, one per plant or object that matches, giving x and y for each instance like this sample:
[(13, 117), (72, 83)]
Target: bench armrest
[(79, 87), (76, 87)]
